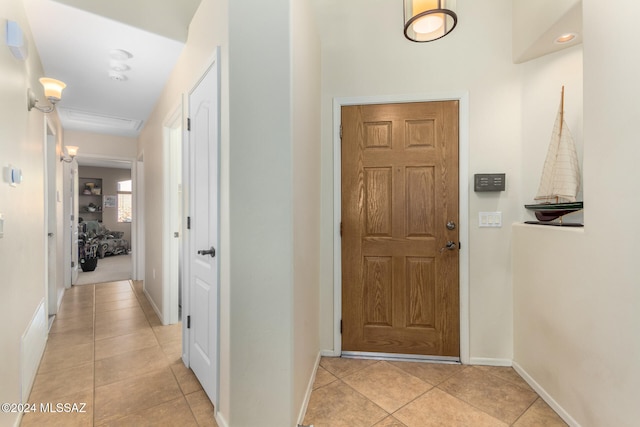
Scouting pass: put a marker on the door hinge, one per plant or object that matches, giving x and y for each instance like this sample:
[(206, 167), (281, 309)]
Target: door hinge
[(188, 322), (188, 123), (188, 223), (340, 131), (340, 326), (73, 264), (341, 228), (459, 245)]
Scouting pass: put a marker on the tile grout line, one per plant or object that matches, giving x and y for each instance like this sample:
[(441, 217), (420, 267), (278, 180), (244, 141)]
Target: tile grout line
[(525, 411), (470, 404), (368, 400)]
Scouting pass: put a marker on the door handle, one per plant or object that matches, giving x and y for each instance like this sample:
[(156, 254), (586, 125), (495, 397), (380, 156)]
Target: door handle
[(210, 251), (450, 245)]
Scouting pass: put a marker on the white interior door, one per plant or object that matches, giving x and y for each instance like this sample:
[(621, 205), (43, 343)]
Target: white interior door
[(50, 209), (203, 233), (73, 221)]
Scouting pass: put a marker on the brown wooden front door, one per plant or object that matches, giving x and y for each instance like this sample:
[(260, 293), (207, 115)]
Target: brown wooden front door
[(400, 284)]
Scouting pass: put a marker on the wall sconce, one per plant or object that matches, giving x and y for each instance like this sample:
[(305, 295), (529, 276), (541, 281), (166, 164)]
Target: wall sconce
[(53, 92), (429, 20), (72, 151)]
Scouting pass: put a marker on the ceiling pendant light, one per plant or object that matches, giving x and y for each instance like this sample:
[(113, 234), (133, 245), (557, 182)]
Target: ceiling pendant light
[(429, 20)]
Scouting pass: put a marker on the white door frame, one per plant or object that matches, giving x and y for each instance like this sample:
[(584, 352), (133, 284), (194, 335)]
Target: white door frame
[(463, 129), (137, 227), (173, 137)]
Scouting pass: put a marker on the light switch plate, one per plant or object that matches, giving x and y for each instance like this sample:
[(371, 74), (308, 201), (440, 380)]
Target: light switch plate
[(490, 219)]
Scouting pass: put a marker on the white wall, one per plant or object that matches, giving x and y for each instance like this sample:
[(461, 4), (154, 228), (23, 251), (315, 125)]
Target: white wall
[(101, 146), (576, 293), (22, 248), (305, 61), (364, 53), (274, 176), (262, 213)]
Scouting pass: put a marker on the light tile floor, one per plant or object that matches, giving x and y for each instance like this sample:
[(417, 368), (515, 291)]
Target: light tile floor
[(108, 349), (366, 393)]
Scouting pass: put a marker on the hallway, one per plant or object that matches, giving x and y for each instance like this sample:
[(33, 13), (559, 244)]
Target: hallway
[(108, 349)]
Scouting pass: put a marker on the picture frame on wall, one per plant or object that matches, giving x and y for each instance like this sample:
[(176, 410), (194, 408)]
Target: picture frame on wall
[(109, 201)]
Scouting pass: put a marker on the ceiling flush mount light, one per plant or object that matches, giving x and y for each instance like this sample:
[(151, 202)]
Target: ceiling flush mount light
[(53, 92), (429, 20), (119, 66), (117, 76), (565, 38), (72, 151), (120, 54)]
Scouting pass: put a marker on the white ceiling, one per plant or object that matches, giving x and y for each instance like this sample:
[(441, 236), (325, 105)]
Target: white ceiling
[(75, 44)]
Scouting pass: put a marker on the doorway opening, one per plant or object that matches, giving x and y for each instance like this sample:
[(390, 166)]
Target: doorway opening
[(105, 221)]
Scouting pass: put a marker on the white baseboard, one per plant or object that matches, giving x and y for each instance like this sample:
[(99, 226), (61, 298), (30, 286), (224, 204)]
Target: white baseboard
[(59, 302), (153, 305), (307, 396), (32, 344), (488, 361), (545, 396), (220, 420), (329, 353)]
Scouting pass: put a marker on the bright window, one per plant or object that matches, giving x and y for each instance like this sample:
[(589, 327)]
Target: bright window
[(124, 201)]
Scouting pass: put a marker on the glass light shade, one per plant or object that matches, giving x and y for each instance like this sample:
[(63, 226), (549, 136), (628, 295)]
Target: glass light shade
[(565, 38), (428, 20), (52, 88), (72, 150)]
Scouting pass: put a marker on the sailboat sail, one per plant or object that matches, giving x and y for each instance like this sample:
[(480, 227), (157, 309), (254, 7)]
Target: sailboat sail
[(560, 180)]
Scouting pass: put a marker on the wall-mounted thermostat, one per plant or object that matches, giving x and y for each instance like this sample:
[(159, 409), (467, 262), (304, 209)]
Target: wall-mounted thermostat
[(489, 182)]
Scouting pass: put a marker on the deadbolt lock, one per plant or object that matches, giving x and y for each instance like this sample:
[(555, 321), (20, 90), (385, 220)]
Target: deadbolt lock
[(451, 225)]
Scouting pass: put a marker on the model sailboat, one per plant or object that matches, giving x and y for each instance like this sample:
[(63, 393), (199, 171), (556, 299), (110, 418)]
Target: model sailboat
[(560, 180)]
